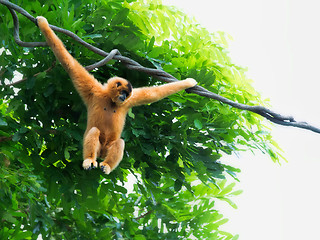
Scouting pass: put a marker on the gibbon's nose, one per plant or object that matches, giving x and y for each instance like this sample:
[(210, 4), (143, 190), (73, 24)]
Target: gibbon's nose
[(123, 95)]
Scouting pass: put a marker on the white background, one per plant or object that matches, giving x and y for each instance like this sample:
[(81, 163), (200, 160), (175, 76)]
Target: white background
[(279, 42)]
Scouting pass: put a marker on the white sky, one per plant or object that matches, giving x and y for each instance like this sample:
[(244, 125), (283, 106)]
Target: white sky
[(279, 41)]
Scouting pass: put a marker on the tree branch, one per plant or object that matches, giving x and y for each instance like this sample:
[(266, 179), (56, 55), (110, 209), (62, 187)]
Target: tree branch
[(157, 73), (23, 79)]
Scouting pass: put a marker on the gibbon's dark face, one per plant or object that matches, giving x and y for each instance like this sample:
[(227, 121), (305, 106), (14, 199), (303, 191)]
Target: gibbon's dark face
[(120, 89)]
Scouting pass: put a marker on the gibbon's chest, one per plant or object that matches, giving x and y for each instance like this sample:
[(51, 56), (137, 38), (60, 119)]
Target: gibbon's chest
[(106, 116)]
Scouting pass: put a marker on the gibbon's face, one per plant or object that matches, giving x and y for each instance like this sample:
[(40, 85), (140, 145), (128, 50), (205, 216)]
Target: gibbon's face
[(120, 89)]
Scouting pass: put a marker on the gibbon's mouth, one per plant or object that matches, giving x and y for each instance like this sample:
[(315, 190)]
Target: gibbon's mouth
[(123, 95)]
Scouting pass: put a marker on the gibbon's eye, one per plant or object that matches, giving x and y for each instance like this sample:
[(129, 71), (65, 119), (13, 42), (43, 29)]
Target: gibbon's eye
[(129, 87), (119, 84)]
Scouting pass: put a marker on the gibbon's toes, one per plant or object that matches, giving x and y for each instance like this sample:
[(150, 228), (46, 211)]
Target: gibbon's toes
[(191, 82), (88, 164), (105, 168)]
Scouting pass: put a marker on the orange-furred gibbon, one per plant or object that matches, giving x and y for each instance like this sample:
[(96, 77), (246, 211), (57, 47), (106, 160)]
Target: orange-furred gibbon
[(107, 104)]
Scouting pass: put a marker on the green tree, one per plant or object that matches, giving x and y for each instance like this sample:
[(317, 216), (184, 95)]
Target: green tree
[(174, 148)]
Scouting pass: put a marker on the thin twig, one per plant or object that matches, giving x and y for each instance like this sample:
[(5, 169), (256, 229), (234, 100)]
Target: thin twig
[(157, 73), (144, 215), (2, 72), (4, 139), (24, 79)]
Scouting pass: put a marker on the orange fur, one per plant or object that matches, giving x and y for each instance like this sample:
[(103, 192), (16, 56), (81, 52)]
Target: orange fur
[(107, 104)]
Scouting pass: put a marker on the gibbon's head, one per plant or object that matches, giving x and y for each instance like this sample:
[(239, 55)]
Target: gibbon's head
[(120, 89)]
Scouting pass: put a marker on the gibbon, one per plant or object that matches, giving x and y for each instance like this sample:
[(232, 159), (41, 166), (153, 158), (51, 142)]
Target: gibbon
[(107, 104)]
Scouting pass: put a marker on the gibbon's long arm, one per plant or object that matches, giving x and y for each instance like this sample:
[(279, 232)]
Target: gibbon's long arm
[(84, 82), (147, 95)]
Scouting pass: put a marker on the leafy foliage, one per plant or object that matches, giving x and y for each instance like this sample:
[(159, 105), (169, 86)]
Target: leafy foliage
[(173, 149)]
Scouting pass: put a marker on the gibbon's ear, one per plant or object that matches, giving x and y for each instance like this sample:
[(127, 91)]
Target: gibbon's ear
[(120, 89)]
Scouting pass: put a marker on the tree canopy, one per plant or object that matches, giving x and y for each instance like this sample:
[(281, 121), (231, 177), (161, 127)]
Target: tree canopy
[(173, 170)]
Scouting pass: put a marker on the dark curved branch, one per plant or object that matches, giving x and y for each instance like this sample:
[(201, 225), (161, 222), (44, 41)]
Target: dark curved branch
[(157, 73), (110, 56), (16, 33)]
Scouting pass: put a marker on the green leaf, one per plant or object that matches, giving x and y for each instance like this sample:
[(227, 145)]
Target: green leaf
[(120, 16), (59, 164), (131, 114), (66, 153), (23, 235), (151, 44), (139, 237), (49, 90), (198, 123), (41, 75), (16, 137), (236, 237), (30, 82), (92, 36), (177, 185), (3, 122), (155, 52), (9, 218)]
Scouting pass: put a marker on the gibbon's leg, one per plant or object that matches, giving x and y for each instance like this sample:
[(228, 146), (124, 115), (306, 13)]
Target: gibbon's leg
[(114, 156), (91, 146)]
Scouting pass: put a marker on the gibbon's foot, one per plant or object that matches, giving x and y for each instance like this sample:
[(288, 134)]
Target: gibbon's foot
[(88, 164), (105, 168)]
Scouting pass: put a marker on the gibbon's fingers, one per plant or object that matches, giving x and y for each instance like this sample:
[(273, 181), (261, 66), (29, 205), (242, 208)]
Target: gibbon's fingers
[(191, 82), (41, 20)]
